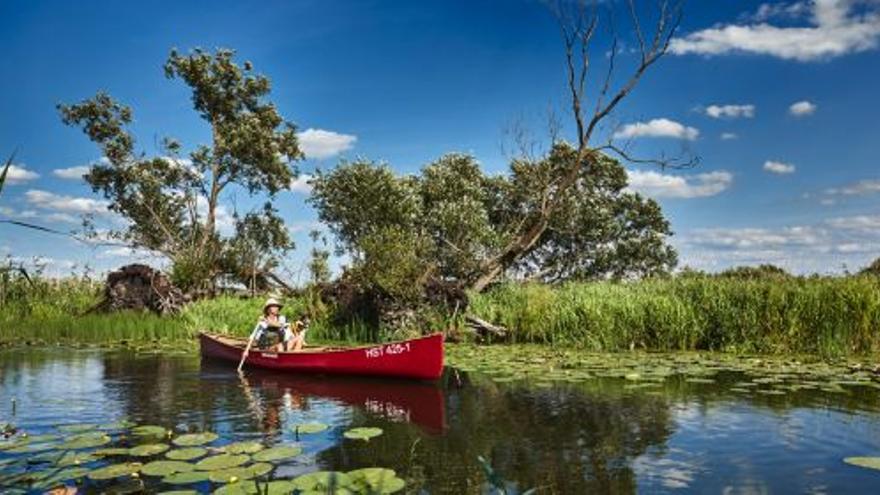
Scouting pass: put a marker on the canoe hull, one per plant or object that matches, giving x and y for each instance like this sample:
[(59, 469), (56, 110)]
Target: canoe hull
[(420, 358)]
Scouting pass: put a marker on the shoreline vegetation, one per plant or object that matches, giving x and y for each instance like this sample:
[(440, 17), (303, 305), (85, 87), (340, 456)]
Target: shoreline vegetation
[(824, 316)]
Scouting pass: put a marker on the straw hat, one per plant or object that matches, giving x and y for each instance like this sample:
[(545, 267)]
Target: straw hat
[(272, 302)]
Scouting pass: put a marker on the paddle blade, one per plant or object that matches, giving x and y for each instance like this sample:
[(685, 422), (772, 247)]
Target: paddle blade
[(6, 168)]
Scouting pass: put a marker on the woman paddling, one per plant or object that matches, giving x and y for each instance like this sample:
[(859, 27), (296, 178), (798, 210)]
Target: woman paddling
[(274, 333)]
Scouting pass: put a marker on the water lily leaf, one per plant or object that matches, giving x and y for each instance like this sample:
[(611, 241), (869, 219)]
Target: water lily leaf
[(186, 478), (148, 450), (164, 468), (118, 425), (31, 448), (865, 462), (240, 488), (61, 476), (86, 441), (322, 481), (275, 454), (377, 480), (47, 437), (193, 439), (113, 451), (309, 428), (187, 454), (115, 471), (77, 428), (149, 431), (180, 492), (76, 458), (222, 461), (243, 447), (362, 433), (231, 475)]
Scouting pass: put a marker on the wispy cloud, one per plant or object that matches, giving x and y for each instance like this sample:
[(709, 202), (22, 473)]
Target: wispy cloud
[(833, 28), (730, 111), (301, 184), (778, 168), (18, 174), (658, 185), (66, 204), (72, 173), (320, 144), (859, 188), (658, 128), (802, 108)]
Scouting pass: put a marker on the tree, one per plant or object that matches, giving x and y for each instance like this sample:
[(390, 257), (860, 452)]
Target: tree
[(172, 203), (319, 256), (402, 230), (872, 269), (578, 24)]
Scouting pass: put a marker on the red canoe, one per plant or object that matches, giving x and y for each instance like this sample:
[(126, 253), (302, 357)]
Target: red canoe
[(420, 358)]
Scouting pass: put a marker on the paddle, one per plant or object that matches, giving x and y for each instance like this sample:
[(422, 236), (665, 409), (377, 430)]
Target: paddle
[(244, 354)]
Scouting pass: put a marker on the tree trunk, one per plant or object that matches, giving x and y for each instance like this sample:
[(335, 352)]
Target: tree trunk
[(495, 267)]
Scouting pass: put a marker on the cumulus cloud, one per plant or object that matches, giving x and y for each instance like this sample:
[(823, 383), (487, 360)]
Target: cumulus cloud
[(802, 108), (658, 185), (730, 111), (658, 128), (66, 204), (72, 173), (831, 28), (778, 168), (320, 144), (301, 184), (19, 173)]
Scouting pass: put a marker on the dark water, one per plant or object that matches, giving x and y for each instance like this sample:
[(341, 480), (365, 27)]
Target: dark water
[(558, 439)]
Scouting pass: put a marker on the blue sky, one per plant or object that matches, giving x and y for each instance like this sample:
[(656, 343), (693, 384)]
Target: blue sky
[(778, 100)]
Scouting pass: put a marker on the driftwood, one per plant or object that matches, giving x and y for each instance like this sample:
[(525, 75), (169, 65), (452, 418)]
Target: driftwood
[(485, 329), (140, 287)]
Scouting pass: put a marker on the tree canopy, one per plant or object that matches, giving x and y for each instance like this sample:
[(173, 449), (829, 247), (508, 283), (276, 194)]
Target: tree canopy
[(170, 202)]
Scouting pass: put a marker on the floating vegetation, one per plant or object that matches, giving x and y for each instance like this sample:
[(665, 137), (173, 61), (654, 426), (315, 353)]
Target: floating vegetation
[(186, 454), (149, 431), (363, 433), (323, 482), (275, 454), (232, 475), (186, 478), (115, 471), (376, 480), (148, 450), (193, 439), (165, 468), (222, 461), (110, 452), (865, 462), (310, 428), (86, 441), (76, 458), (249, 447), (77, 428)]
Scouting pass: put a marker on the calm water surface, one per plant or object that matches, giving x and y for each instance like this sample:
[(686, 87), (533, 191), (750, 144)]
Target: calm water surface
[(560, 438)]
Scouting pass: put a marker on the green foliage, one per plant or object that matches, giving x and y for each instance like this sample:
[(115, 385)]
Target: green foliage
[(451, 218), (171, 202), (766, 271), (319, 256), (872, 269)]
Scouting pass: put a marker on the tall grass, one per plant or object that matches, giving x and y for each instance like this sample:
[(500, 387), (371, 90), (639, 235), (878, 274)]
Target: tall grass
[(826, 316)]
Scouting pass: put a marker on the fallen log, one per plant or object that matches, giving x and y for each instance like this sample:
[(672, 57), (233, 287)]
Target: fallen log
[(485, 329)]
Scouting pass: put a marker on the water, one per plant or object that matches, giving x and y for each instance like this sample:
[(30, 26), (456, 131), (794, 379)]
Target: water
[(559, 438)]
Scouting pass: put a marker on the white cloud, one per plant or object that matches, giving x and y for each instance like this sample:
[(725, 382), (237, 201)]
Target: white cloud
[(727, 136), (757, 238), (18, 174), (320, 144), (301, 184), (659, 185), (72, 173), (802, 108), (304, 226), (860, 188), (67, 204), (730, 111), (834, 28), (778, 168), (222, 217), (864, 223), (658, 128)]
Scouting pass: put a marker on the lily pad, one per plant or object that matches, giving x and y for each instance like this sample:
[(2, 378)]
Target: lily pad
[(187, 454), (275, 454), (322, 481), (113, 451), (149, 431), (148, 450), (235, 474), (243, 447), (186, 478), (193, 439), (115, 471), (86, 441), (76, 458), (77, 428), (180, 492), (164, 468), (222, 461), (59, 477), (31, 448), (309, 428), (377, 480), (364, 433), (865, 462)]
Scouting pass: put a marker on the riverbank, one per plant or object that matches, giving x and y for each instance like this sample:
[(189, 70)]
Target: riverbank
[(830, 317)]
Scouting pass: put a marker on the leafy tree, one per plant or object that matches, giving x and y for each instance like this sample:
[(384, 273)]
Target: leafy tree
[(319, 266), (765, 271), (172, 203), (260, 240), (446, 221), (872, 269)]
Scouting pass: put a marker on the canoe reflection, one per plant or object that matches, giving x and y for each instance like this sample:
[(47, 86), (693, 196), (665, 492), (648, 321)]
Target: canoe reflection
[(419, 403)]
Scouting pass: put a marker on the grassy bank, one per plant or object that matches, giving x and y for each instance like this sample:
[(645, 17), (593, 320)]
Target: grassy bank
[(823, 316)]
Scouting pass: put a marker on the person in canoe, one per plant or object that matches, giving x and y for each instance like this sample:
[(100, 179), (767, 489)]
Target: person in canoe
[(272, 331)]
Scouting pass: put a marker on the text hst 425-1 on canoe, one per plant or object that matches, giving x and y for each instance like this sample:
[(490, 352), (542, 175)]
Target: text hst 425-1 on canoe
[(390, 349)]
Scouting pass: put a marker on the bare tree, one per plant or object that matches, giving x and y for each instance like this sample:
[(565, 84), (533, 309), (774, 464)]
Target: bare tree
[(578, 23)]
